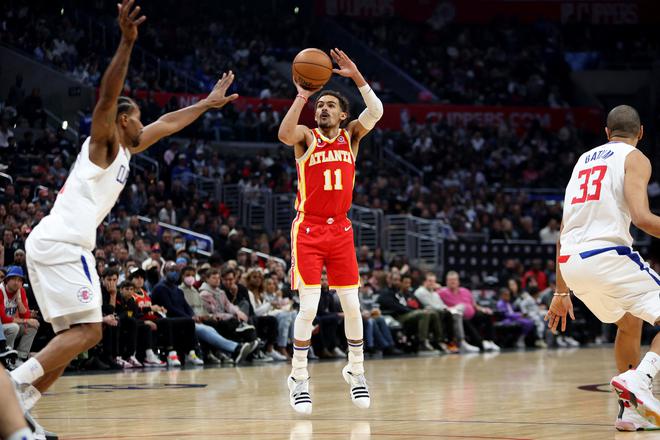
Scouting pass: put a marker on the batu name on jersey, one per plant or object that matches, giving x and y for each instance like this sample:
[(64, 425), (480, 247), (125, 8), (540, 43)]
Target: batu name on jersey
[(330, 156), (600, 154)]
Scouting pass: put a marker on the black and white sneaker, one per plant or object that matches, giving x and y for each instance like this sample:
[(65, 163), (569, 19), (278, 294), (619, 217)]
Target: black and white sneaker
[(243, 350), (8, 357), (299, 397), (39, 432), (359, 389)]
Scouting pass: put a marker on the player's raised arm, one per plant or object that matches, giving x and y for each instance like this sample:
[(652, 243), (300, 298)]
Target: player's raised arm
[(104, 144), (374, 111), (635, 190), (290, 132), (173, 122)]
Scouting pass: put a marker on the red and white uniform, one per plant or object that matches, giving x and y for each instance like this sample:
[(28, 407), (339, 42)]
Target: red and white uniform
[(322, 234), (597, 260)]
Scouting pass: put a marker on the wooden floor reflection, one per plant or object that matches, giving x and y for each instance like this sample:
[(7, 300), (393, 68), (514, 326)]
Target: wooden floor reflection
[(516, 395)]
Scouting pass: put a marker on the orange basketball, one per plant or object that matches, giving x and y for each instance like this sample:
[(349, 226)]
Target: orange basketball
[(312, 68)]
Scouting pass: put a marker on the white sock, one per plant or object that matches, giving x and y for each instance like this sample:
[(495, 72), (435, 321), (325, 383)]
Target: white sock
[(356, 357), (650, 364), (29, 372), (299, 363), (23, 434)]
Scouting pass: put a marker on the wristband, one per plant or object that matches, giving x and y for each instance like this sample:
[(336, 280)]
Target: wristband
[(561, 294), (301, 96)]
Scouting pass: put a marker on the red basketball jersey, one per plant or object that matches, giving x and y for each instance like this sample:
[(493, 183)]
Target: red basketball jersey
[(326, 175)]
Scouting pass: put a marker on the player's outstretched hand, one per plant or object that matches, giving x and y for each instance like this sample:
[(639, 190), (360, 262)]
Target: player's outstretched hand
[(347, 67), (559, 308), (129, 20), (217, 98)]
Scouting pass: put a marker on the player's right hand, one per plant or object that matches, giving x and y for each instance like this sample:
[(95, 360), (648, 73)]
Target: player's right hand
[(559, 308), (303, 91), (129, 20)]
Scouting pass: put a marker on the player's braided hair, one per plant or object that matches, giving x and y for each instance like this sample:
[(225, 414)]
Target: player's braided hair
[(125, 105)]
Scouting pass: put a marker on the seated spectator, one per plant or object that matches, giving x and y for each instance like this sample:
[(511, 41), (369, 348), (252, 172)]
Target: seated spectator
[(145, 337), (226, 318), (477, 320), (267, 325), (427, 294), (329, 317), (282, 309), (169, 295), (505, 307), (377, 334), (393, 301), (528, 304), (174, 334), (119, 335), (18, 321)]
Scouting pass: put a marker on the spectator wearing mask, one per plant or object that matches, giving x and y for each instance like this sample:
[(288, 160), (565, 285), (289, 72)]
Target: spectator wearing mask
[(173, 334), (19, 323), (477, 320), (169, 295)]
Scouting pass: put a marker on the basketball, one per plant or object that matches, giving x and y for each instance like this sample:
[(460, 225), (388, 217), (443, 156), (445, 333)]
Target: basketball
[(312, 68)]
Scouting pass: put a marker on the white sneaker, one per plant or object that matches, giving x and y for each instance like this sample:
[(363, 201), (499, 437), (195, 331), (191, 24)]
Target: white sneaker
[(339, 352), (540, 343), (359, 389), (151, 360), (122, 363), (276, 355), (571, 342), (630, 420), (637, 389), (561, 343), (27, 395), (193, 359), (299, 397), (39, 432), (490, 346), (173, 359), (468, 348), (134, 362), (211, 359)]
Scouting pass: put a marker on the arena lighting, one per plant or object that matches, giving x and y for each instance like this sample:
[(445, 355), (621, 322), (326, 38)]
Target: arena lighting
[(65, 125), (62, 11), (296, 9)]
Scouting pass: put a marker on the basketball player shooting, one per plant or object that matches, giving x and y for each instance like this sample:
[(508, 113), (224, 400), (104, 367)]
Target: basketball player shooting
[(321, 234), (595, 259), (59, 250)]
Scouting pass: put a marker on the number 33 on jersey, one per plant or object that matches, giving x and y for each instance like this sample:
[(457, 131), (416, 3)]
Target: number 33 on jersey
[(326, 175), (594, 206)]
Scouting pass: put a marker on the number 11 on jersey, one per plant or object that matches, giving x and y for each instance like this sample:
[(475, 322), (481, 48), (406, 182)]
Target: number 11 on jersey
[(328, 180)]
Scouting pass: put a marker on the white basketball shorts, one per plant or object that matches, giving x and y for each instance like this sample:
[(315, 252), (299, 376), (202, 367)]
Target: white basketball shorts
[(612, 281), (64, 281)]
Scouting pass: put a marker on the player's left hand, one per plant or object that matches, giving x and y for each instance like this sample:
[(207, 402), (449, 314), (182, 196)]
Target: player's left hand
[(559, 308), (347, 67), (217, 98)]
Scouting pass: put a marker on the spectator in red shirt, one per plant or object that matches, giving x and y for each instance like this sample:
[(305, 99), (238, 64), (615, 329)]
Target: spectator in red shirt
[(17, 320), (537, 272)]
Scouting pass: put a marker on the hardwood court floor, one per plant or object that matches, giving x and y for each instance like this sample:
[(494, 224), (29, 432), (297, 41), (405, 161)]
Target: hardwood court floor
[(514, 395)]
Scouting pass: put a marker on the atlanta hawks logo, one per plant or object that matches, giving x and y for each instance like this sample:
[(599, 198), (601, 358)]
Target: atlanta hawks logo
[(85, 295)]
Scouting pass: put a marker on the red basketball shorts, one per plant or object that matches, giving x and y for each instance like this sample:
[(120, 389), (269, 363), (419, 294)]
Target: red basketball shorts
[(317, 242)]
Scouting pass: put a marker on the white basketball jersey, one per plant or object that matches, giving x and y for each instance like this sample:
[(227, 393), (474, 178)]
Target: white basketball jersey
[(596, 214), (86, 198)]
